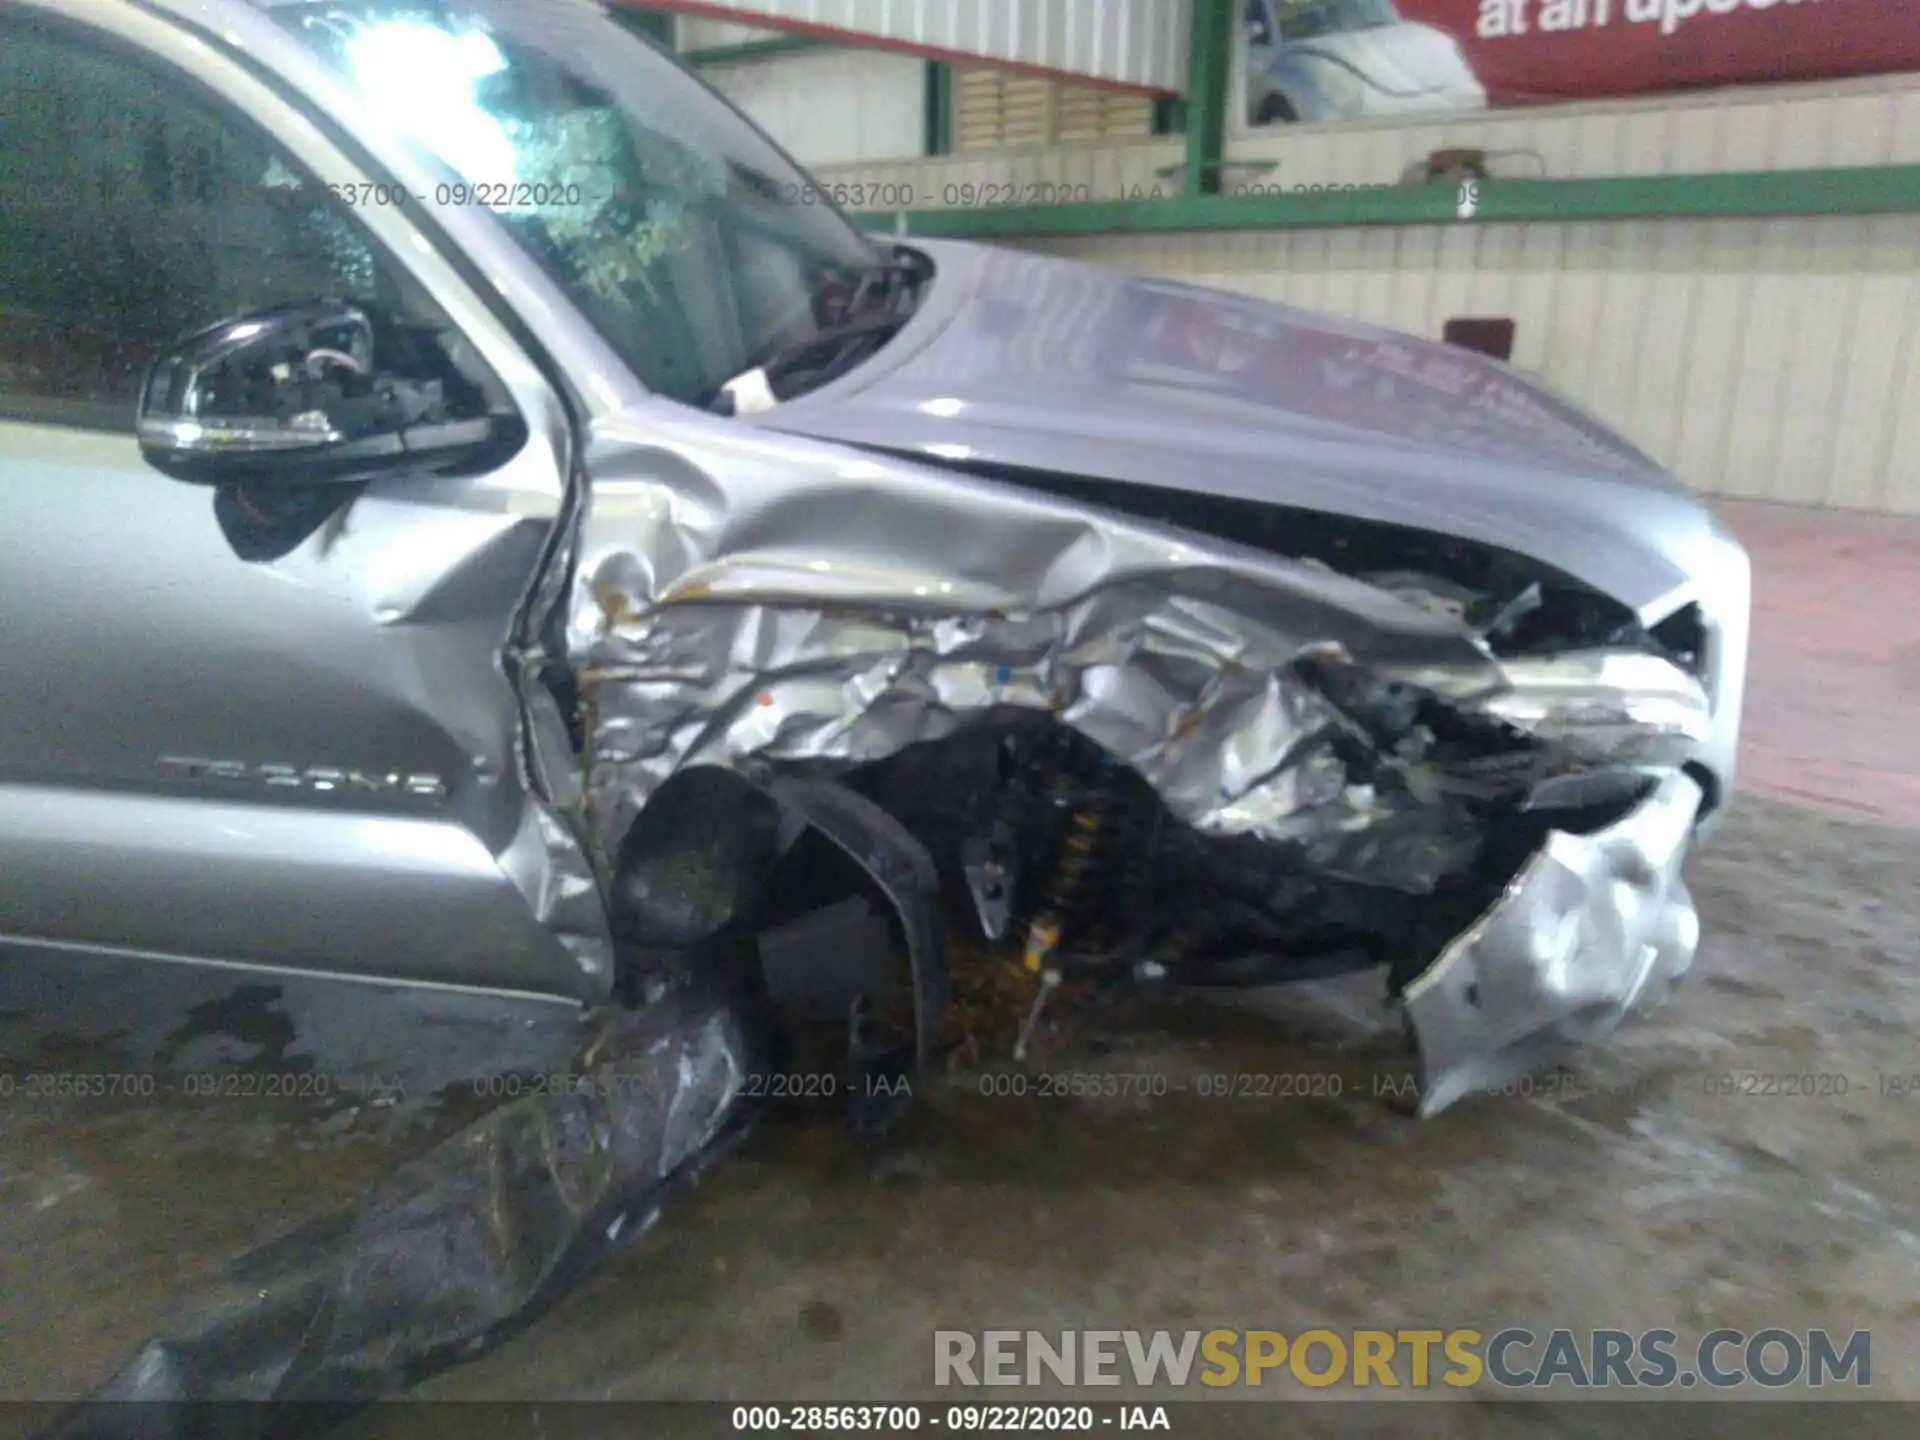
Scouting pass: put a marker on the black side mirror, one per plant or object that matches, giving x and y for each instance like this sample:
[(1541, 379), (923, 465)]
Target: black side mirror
[(298, 396)]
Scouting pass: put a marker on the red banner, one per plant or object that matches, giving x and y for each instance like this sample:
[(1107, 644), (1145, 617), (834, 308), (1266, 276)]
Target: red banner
[(1348, 59)]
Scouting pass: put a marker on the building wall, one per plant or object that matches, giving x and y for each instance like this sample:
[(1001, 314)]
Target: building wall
[(841, 105), (1139, 44), (833, 106), (1788, 127), (1761, 358), (1038, 175), (836, 105), (1765, 359)]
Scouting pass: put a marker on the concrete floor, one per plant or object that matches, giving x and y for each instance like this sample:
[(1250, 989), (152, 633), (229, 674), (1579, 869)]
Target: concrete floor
[(804, 1269), (1833, 696)]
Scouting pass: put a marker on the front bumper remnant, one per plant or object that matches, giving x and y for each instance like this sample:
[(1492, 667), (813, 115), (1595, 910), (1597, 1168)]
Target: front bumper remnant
[(1592, 925)]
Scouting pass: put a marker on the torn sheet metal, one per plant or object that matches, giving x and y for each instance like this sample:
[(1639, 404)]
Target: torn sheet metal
[(453, 1251), (721, 619), (547, 865), (1603, 706), (787, 609), (734, 686), (1590, 926)]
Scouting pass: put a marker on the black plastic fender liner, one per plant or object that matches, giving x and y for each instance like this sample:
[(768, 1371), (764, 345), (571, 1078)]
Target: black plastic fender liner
[(695, 867), (900, 867), (694, 862), (455, 1250)]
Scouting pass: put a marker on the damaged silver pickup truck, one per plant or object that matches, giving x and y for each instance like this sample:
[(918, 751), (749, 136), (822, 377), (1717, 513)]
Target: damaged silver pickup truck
[(481, 517)]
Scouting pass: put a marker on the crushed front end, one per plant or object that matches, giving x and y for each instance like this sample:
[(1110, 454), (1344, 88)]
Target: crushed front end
[(1135, 753)]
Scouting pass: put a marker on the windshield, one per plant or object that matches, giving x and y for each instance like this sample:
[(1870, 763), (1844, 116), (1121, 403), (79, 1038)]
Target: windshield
[(1313, 19), (682, 233)]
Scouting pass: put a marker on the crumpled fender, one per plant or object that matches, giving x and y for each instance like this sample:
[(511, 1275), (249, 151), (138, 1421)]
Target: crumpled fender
[(1590, 929)]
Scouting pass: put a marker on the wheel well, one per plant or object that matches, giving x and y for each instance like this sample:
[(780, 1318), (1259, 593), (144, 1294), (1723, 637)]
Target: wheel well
[(816, 888), (1276, 106)]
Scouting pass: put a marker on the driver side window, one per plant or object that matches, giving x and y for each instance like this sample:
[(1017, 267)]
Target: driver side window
[(1259, 28), (134, 210)]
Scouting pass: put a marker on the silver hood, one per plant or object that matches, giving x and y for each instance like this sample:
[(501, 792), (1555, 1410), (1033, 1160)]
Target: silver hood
[(1031, 362)]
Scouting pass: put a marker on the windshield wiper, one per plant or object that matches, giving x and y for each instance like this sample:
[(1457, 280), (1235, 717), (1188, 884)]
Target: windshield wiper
[(882, 301), (897, 278)]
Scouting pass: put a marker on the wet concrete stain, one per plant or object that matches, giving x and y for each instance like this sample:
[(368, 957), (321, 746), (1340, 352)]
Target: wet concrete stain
[(822, 1320), (251, 1015), (1654, 1184)]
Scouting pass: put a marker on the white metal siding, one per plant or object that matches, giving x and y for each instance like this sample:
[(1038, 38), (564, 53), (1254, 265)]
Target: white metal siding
[(1856, 122), (1126, 42), (833, 106), (1866, 122), (1079, 172), (1764, 359)]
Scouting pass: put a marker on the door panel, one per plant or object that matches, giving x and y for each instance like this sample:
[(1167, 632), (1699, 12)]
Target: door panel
[(307, 763)]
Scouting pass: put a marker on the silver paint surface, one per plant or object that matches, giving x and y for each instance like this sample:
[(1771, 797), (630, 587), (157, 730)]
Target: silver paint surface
[(1043, 364), (1592, 926), (836, 609), (829, 610), (132, 632), (801, 606), (1602, 704), (750, 603)]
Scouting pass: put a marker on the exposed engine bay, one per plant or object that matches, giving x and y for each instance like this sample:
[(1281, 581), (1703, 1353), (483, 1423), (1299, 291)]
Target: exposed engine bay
[(1419, 815), (1413, 752)]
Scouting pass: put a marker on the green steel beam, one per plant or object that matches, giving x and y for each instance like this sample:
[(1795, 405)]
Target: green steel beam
[(939, 101), (1865, 190), (1209, 83), (772, 48)]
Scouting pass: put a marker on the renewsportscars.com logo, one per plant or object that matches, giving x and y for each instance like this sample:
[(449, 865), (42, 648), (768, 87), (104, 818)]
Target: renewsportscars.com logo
[(1511, 1358)]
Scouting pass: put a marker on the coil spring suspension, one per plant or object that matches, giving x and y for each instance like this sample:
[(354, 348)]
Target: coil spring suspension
[(1086, 861)]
